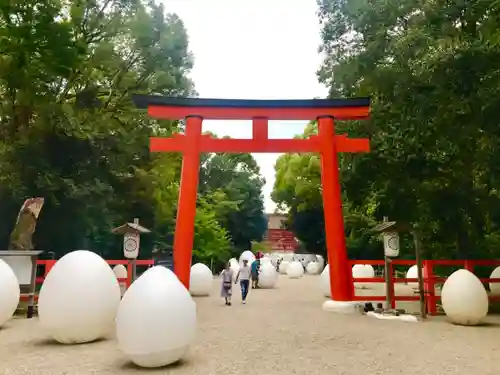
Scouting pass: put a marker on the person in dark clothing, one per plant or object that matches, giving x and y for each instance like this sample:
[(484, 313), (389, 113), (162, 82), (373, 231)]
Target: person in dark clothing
[(255, 273)]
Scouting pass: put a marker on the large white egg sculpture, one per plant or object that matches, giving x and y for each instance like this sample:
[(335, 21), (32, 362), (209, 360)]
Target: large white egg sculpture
[(325, 282), (295, 270), (120, 272), (321, 261), (313, 268), (283, 267), (362, 271), (248, 256), (274, 260), (412, 273), (156, 319), (201, 280), (265, 260), (79, 298), (235, 268), (495, 287), (233, 261), (9, 292), (268, 276), (464, 298)]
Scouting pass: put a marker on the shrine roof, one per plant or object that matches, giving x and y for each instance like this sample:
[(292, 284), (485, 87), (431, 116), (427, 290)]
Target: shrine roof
[(130, 228), (143, 101)]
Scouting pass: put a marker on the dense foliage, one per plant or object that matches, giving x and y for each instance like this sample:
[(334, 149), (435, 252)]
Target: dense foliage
[(431, 68), (69, 132)]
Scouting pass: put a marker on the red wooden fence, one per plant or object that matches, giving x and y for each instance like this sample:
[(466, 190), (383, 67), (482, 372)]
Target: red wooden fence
[(430, 279)]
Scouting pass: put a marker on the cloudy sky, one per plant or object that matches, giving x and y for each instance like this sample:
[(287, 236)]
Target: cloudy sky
[(253, 49)]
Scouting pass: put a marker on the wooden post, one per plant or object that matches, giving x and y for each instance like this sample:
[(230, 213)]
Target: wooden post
[(387, 277), (31, 302), (418, 256)]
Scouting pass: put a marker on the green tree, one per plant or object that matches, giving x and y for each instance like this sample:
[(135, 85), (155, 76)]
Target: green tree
[(234, 181), (298, 191), (430, 68), (211, 242), (70, 131)]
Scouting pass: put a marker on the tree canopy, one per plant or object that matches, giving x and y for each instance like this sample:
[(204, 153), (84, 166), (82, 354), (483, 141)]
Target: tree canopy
[(432, 73), (70, 133)]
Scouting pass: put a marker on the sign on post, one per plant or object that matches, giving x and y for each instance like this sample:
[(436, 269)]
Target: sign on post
[(131, 242), (391, 244)]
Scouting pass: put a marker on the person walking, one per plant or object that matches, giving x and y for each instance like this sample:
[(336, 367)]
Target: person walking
[(255, 273), (244, 277), (227, 284)]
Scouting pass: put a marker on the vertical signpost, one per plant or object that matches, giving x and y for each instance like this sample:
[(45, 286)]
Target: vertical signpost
[(131, 242), (389, 231)]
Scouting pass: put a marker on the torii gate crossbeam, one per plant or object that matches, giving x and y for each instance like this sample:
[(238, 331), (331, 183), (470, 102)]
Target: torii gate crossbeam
[(326, 143)]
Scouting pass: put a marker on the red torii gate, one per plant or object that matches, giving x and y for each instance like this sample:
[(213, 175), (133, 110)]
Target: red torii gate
[(193, 142)]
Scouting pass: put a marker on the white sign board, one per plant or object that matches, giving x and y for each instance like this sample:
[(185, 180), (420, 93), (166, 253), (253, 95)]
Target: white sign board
[(131, 245), (391, 244)]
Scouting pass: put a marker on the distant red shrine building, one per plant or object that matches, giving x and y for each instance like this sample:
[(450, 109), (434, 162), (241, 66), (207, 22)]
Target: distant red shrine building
[(278, 239)]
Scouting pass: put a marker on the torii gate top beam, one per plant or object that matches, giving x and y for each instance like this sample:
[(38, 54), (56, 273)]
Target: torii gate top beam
[(242, 109)]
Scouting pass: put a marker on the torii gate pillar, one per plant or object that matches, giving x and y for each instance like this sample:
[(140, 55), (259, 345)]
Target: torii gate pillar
[(327, 143)]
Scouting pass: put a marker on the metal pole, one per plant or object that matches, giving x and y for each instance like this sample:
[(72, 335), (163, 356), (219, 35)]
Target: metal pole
[(418, 256), (31, 302)]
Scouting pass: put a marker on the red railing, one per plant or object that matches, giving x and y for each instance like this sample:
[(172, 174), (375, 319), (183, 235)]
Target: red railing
[(48, 264), (430, 279)]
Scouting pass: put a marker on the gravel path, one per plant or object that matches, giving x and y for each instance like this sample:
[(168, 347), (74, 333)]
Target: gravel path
[(281, 331)]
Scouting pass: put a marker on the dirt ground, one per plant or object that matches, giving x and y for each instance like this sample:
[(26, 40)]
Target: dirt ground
[(280, 331)]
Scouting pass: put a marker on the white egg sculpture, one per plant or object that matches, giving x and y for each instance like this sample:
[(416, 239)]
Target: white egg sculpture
[(325, 282), (265, 260), (235, 267), (120, 272), (464, 298), (268, 276), (313, 268), (295, 270), (283, 267), (9, 292), (248, 256), (495, 287), (233, 261), (79, 298), (321, 261), (412, 273), (201, 280), (362, 271), (156, 319)]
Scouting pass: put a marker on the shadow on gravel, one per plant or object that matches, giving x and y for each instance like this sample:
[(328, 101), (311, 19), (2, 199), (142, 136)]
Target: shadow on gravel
[(48, 342), (130, 366)]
